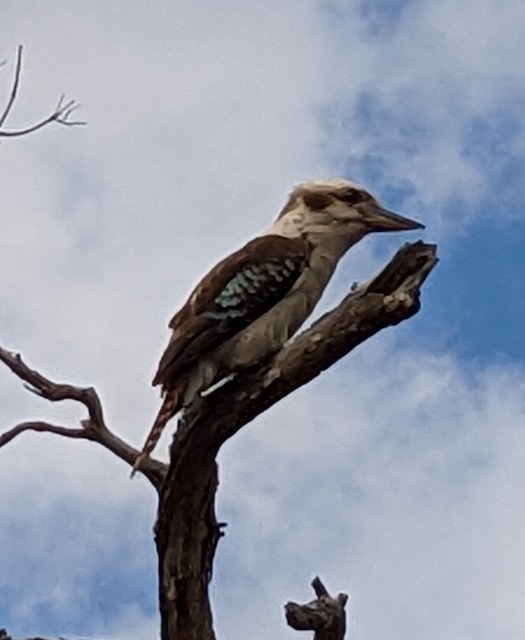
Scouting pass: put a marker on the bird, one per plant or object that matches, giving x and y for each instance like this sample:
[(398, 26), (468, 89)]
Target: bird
[(253, 301)]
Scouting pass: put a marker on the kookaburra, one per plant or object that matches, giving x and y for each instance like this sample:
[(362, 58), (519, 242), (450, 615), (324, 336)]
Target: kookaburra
[(253, 301)]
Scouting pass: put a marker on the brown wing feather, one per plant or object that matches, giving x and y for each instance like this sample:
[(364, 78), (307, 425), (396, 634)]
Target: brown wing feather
[(203, 323)]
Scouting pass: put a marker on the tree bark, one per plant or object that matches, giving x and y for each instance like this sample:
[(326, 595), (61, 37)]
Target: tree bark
[(325, 616), (186, 535), (187, 531)]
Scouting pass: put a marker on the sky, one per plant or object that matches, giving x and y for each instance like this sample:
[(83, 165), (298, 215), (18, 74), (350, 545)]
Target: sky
[(398, 476)]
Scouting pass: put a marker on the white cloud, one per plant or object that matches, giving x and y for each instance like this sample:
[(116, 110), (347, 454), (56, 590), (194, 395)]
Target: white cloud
[(442, 67), (131, 624), (407, 494), (396, 476)]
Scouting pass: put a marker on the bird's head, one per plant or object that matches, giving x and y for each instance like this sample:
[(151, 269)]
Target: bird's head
[(336, 209)]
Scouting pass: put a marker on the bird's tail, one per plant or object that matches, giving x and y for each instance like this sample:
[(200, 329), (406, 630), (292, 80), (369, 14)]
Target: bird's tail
[(171, 405)]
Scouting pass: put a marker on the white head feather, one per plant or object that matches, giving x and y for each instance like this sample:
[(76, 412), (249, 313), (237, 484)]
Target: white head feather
[(297, 218)]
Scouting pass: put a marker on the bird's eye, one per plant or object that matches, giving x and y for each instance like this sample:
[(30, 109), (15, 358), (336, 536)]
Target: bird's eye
[(316, 201), (353, 196)]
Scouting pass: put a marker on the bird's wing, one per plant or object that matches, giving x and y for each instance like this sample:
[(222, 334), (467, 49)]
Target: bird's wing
[(236, 292)]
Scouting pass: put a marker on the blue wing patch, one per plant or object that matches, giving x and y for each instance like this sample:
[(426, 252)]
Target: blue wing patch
[(256, 288)]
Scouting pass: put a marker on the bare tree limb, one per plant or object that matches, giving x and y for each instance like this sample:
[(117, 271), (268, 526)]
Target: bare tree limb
[(61, 114), (94, 428), (325, 615), (42, 427), (386, 300), (187, 531)]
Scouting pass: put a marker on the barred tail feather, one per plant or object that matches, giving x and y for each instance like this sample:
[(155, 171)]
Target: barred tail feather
[(171, 405)]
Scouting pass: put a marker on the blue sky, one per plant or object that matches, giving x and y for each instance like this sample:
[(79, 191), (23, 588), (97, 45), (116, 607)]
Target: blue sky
[(398, 475)]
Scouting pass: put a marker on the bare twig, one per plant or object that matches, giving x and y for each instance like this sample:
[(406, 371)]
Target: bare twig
[(61, 114), (94, 428), (14, 89), (42, 427)]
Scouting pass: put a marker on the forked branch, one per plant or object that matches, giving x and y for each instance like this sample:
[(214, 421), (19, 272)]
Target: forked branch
[(93, 428), (61, 114), (325, 616), (187, 531)]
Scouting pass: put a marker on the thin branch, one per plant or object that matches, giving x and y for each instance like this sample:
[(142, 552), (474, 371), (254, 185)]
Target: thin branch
[(42, 427), (14, 88), (94, 428), (61, 114)]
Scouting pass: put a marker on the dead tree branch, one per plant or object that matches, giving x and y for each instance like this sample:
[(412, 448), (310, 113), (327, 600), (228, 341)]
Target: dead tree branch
[(386, 300), (325, 615), (187, 531), (93, 428), (61, 114)]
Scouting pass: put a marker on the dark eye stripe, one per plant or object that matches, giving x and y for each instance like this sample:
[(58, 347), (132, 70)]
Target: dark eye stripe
[(317, 201), (353, 196)]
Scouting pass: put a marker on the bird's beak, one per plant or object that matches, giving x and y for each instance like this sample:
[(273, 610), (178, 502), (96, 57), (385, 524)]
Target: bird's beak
[(379, 219)]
